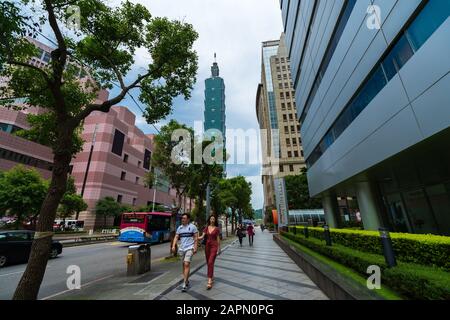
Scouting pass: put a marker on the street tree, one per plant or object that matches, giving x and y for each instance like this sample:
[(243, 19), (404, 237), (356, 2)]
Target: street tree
[(298, 192), (108, 207), (173, 164), (103, 46), (22, 192), (71, 203)]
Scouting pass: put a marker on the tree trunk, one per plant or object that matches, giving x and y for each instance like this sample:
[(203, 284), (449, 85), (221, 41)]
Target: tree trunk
[(232, 221), (28, 287)]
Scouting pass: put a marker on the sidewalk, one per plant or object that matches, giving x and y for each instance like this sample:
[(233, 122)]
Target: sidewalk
[(261, 272)]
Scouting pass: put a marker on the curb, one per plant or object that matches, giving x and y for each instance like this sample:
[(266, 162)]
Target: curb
[(334, 285), (180, 278), (81, 242)]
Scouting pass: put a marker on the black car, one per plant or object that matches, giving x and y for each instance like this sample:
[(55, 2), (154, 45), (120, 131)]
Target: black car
[(15, 246)]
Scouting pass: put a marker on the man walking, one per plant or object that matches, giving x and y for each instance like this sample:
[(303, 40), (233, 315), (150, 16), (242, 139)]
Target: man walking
[(187, 233)]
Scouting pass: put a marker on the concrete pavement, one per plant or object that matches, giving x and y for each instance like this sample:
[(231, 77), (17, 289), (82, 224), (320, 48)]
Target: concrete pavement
[(260, 272)]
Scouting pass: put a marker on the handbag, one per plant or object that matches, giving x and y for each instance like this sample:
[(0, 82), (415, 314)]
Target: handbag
[(205, 238)]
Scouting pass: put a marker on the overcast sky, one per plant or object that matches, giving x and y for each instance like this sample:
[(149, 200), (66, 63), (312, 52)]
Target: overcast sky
[(234, 29)]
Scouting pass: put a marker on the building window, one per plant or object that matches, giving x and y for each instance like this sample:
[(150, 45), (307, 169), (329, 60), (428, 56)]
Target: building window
[(286, 130), (289, 154), (123, 175), (286, 85), (281, 95), (283, 68), (147, 157), (291, 117), (282, 60), (279, 77), (137, 180), (288, 142), (278, 69), (281, 168), (284, 118), (125, 158), (294, 141), (291, 168), (283, 106), (119, 198), (280, 85), (119, 139), (139, 163), (296, 153), (289, 106), (285, 76), (288, 95), (301, 152), (292, 129), (134, 202)]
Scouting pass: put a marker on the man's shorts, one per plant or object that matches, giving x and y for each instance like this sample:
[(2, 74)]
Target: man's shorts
[(186, 256)]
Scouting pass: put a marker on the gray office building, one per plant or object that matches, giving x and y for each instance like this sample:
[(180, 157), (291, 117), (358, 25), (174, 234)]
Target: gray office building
[(372, 86)]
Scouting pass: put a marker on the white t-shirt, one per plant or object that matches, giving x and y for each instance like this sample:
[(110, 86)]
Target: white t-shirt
[(186, 235)]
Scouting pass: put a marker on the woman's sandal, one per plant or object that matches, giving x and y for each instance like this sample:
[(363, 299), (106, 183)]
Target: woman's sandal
[(209, 286)]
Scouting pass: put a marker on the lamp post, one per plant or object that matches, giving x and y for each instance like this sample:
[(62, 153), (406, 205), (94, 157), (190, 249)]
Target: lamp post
[(388, 250), (327, 234)]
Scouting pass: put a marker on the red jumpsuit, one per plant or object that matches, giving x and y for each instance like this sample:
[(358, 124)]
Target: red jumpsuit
[(211, 249)]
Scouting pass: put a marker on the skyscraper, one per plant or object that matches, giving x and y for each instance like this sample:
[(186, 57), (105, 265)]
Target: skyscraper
[(371, 81), (276, 112), (215, 104)]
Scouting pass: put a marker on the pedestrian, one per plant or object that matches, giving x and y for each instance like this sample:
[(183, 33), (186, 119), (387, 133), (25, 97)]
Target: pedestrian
[(262, 228), (240, 233), (250, 233), (187, 233), (212, 248)]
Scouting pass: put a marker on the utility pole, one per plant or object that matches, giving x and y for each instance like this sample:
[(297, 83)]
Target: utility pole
[(208, 200), (88, 164), (154, 190)]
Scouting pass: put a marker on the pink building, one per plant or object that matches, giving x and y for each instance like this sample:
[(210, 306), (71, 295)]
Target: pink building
[(120, 159)]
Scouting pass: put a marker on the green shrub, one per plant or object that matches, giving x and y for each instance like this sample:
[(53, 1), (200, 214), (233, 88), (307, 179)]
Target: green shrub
[(410, 280), (416, 248)]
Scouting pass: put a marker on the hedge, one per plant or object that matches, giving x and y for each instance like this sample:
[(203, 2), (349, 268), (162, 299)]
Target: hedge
[(423, 249), (412, 281)]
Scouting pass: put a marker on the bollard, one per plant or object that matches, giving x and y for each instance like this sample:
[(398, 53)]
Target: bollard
[(388, 250), (327, 235), (306, 232)]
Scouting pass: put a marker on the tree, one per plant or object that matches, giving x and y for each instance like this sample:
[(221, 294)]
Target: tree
[(71, 203), (172, 164), (22, 193), (298, 192), (108, 207), (103, 47)]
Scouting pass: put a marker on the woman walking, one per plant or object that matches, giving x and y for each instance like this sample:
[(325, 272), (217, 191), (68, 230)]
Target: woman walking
[(251, 233), (240, 233), (212, 247)]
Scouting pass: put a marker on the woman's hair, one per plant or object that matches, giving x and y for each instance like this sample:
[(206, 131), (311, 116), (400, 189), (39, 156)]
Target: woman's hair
[(216, 223)]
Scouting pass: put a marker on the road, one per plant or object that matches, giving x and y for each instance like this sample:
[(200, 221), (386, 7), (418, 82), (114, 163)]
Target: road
[(96, 262)]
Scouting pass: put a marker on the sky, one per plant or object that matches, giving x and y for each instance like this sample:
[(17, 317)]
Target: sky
[(234, 30)]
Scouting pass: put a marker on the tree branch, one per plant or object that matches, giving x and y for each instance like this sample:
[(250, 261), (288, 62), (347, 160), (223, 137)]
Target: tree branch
[(27, 65)]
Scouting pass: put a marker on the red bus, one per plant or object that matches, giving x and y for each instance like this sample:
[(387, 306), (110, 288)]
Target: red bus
[(145, 227)]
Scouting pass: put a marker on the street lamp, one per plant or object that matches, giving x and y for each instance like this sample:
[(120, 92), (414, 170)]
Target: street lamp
[(327, 235), (388, 250)]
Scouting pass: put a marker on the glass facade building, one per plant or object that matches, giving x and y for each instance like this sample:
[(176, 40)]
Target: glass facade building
[(373, 107)]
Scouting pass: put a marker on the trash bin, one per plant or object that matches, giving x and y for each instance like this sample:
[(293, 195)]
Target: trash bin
[(138, 259)]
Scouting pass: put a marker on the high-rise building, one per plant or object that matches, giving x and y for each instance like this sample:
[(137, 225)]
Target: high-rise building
[(372, 90), (276, 113), (215, 105)]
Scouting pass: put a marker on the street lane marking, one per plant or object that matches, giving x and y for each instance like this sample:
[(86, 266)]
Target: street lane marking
[(8, 274), (84, 285)]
